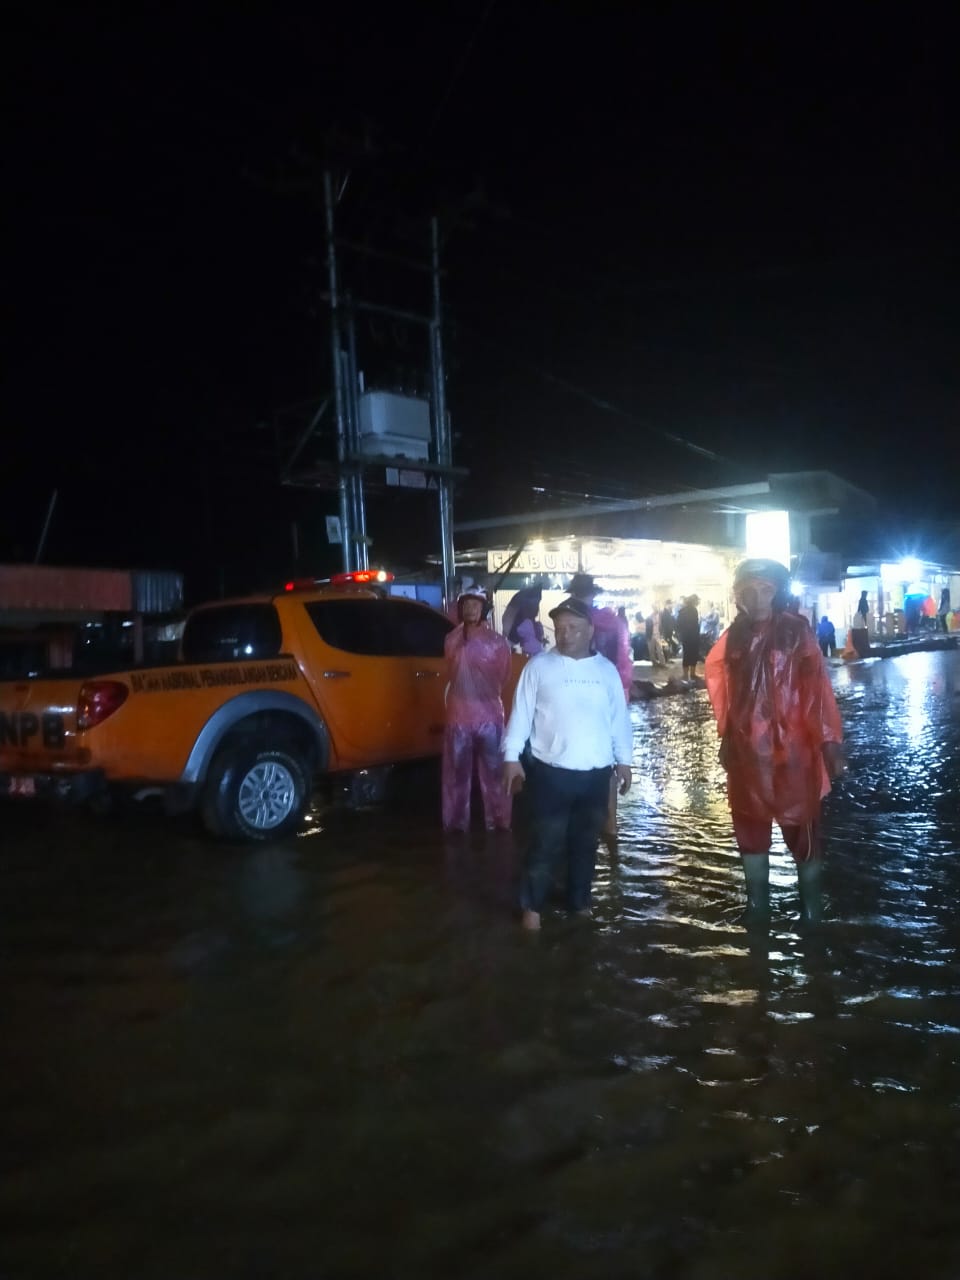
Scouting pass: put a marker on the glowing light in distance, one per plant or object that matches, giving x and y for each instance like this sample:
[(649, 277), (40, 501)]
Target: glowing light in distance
[(768, 536)]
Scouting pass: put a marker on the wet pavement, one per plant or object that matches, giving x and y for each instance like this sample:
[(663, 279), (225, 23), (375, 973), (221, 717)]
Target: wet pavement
[(340, 1057)]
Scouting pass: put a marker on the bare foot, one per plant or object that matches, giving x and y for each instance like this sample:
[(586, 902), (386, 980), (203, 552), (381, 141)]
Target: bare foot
[(531, 920)]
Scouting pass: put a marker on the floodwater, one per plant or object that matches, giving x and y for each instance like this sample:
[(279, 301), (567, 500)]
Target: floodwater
[(340, 1057)]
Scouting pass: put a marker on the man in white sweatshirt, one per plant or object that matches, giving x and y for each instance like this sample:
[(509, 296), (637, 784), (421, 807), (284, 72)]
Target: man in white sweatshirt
[(569, 703)]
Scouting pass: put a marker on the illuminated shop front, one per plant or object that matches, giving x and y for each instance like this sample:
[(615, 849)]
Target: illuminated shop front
[(648, 551), (638, 575), (903, 596)]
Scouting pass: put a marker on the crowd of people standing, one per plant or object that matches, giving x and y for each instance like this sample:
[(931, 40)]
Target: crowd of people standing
[(568, 745), (670, 631)]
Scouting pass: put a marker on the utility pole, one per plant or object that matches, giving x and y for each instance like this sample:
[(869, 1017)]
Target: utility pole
[(359, 509), (441, 424), (358, 454), (343, 450), (46, 527)]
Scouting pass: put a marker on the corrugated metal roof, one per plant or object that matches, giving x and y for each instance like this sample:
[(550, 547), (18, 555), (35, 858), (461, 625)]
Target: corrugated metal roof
[(157, 591), (53, 590)]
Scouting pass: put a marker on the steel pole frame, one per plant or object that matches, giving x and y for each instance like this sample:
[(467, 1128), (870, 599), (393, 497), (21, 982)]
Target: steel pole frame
[(348, 544), (441, 424), (359, 506)]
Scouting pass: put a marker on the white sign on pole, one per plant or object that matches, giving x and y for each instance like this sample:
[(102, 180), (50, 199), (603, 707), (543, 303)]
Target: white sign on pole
[(334, 532), (406, 479)]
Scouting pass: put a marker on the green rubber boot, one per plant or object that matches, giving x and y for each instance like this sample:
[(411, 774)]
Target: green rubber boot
[(756, 873), (811, 893)]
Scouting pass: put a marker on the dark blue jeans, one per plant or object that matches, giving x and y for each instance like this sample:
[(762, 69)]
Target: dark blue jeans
[(567, 808)]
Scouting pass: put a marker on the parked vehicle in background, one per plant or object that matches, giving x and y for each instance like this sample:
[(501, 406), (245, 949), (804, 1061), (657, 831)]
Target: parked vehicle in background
[(269, 692)]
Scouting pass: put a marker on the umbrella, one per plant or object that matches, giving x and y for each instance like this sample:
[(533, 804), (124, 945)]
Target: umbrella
[(514, 610)]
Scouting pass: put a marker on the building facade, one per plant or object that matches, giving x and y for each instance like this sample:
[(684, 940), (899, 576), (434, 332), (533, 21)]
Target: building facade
[(654, 551)]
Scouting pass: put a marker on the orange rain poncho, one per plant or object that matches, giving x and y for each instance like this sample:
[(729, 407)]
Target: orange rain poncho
[(775, 709)]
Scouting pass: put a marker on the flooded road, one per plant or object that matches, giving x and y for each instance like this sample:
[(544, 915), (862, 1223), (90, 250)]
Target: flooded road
[(340, 1056)]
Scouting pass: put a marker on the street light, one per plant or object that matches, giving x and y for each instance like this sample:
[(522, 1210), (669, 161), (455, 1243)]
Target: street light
[(910, 569)]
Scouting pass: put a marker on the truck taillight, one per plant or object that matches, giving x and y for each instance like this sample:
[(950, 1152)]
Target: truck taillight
[(98, 700)]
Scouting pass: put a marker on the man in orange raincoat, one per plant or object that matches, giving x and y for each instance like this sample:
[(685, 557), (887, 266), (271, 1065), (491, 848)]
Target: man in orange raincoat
[(780, 732)]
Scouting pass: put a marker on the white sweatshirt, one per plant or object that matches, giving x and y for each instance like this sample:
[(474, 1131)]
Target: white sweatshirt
[(573, 711)]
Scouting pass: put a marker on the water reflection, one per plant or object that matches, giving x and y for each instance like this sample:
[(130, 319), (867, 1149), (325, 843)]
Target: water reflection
[(339, 1056)]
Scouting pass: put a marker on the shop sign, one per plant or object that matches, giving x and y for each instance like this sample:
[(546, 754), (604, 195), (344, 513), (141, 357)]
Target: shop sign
[(679, 565), (541, 558)]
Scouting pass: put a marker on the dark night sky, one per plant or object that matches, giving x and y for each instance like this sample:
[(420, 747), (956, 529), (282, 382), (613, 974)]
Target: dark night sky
[(735, 230)]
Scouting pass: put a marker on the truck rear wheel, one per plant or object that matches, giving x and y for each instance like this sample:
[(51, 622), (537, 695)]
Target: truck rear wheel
[(255, 793)]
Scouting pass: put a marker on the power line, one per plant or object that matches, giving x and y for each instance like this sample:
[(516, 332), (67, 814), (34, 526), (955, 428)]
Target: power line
[(459, 69), (659, 345), (605, 405)]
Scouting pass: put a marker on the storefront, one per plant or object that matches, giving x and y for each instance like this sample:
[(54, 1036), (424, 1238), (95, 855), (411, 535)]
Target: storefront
[(647, 552), (903, 596), (911, 593), (637, 575)]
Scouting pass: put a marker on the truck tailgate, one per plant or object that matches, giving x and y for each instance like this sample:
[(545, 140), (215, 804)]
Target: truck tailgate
[(38, 726)]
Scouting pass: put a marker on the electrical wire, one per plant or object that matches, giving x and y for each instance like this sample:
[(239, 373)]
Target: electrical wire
[(602, 403), (458, 69)]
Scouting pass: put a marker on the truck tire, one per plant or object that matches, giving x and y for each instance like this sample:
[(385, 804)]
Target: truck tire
[(255, 793)]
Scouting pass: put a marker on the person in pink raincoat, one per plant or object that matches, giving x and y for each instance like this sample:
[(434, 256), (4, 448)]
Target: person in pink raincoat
[(611, 639), (479, 664), (780, 732), (611, 634)]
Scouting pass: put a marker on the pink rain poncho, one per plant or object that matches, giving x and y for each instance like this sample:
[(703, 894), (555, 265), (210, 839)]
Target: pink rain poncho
[(479, 667), (611, 637), (775, 709)]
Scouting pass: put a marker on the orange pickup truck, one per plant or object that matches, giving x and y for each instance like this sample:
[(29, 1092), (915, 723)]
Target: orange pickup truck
[(270, 691)]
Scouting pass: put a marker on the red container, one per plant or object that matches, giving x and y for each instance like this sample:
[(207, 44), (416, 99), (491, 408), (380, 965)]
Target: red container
[(47, 588)]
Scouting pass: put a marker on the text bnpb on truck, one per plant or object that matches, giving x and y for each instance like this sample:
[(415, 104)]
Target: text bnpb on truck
[(269, 691)]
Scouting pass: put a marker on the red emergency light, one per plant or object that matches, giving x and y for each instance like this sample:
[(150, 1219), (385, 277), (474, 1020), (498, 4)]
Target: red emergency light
[(358, 577), (361, 576)]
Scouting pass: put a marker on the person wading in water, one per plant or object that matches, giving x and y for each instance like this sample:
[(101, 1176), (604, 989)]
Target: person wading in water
[(780, 732)]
